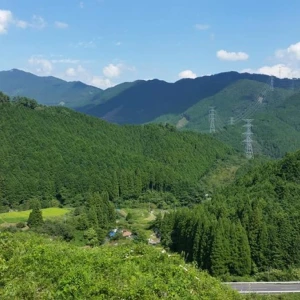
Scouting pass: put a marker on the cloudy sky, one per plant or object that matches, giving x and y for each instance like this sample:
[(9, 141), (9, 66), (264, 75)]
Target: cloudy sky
[(105, 42)]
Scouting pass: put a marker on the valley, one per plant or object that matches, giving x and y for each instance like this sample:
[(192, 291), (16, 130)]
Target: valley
[(164, 188)]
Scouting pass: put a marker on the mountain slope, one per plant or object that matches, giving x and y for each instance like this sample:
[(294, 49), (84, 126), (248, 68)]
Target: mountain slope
[(46, 90), (251, 225), (54, 152), (274, 113), (149, 100), (53, 91)]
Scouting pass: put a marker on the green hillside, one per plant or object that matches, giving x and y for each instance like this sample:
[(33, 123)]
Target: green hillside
[(248, 227), (275, 119), (152, 99), (184, 104), (54, 152)]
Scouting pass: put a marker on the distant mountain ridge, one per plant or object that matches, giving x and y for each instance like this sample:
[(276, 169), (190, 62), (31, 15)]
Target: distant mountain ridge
[(148, 100), (184, 104), (46, 90), (49, 90)]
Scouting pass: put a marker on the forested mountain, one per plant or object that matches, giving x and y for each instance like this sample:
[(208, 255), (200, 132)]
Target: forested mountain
[(50, 90), (274, 113), (184, 104), (151, 99), (252, 225), (54, 152)]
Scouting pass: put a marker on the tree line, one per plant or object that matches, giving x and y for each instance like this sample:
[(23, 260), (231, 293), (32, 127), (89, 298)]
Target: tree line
[(55, 153), (248, 227)]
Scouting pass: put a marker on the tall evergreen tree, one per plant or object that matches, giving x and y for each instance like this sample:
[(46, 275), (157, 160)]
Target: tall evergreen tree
[(35, 218)]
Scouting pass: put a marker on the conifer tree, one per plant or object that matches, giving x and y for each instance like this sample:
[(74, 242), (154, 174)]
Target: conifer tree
[(219, 252), (35, 218)]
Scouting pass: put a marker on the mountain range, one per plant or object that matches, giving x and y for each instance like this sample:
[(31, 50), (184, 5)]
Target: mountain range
[(270, 101)]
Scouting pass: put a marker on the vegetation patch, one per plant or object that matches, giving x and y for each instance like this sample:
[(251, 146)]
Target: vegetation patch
[(22, 216)]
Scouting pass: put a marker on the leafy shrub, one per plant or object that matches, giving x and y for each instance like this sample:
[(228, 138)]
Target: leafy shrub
[(36, 268), (21, 225)]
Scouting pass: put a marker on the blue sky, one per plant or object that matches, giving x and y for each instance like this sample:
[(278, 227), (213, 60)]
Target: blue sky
[(106, 42)]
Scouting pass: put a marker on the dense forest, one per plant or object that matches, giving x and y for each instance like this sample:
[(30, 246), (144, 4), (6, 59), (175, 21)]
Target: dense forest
[(250, 226), (33, 267), (55, 153)]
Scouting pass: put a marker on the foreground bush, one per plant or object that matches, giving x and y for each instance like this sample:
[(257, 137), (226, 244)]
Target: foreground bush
[(32, 267)]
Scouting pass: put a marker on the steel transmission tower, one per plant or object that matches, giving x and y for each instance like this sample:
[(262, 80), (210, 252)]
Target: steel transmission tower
[(231, 121), (248, 139), (212, 115), (272, 84)]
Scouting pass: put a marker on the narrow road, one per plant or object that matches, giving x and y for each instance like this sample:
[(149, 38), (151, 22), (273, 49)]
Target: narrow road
[(266, 287)]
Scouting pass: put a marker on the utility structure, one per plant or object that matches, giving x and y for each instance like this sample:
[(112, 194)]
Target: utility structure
[(248, 139), (293, 84), (231, 121), (272, 84), (212, 117)]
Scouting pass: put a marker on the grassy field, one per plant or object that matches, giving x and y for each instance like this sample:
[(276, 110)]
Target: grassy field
[(140, 220), (22, 216)]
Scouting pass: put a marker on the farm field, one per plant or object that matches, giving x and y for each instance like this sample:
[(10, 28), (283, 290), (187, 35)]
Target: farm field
[(22, 216)]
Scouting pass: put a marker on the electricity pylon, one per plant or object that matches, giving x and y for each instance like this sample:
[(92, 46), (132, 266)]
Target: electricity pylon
[(248, 139)]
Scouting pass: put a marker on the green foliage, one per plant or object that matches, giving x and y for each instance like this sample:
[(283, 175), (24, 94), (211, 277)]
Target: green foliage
[(57, 229), (276, 121), (4, 98), (91, 236), (248, 227), (35, 218), (22, 216), (55, 153), (26, 102), (20, 225), (32, 267)]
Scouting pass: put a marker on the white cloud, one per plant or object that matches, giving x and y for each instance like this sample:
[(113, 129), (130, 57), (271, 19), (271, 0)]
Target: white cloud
[(232, 56), (21, 24), (37, 22), (187, 74), (71, 72), (290, 53), (61, 25), (65, 61), (6, 18), (118, 44), (202, 26), (81, 4), (112, 70), (286, 63), (42, 66), (101, 82), (81, 74), (78, 71), (86, 45), (279, 70)]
